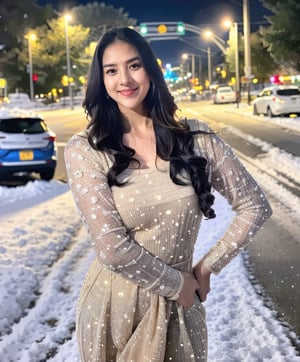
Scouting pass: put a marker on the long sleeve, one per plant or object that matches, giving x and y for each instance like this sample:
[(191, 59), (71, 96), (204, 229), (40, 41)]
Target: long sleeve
[(87, 174), (229, 177)]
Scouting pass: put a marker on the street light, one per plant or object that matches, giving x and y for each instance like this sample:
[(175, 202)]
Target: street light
[(30, 37), (67, 19), (208, 34)]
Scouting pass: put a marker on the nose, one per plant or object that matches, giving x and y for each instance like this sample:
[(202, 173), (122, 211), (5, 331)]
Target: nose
[(125, 77)]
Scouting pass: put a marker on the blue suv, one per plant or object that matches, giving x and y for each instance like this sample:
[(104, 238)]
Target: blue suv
[(26, 144)]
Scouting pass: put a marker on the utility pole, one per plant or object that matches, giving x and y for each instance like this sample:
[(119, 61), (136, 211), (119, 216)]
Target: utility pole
[(193, 66), (30, 38), (209, 65), (67, 18), (30, 69), (247, 45), (237, 64), (200, 70)]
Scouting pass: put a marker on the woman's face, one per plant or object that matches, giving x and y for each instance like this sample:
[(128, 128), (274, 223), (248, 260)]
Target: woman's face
[(125, 79)]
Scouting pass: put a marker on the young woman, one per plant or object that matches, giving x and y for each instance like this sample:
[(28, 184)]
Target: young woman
[(141, 180)]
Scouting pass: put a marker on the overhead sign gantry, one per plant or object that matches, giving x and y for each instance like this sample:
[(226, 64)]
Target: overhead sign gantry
[(173, 30), (159, 29)]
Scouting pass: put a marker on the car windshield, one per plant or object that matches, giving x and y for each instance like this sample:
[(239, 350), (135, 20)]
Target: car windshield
[(225, 90), (23, 125), (288, 92)]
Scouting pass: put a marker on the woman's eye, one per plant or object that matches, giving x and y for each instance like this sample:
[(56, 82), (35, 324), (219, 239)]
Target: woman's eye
[(135, 66), (110, 71)]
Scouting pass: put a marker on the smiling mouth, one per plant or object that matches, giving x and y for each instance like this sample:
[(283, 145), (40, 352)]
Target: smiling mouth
[(127, 92)]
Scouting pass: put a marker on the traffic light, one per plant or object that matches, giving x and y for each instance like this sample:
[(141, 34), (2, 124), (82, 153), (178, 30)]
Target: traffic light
[(162, 29), (143, 29), (35, 77), (180, 28), (156, 29)]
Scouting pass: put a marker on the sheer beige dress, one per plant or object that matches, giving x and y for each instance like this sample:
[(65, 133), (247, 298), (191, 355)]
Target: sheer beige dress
[(144, 234)]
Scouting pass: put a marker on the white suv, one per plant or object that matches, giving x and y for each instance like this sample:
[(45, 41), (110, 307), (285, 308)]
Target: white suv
[(224, 94), (277, 100)]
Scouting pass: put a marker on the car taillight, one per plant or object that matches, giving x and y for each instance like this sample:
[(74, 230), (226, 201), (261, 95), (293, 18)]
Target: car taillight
[(278, 100), (50, 138)]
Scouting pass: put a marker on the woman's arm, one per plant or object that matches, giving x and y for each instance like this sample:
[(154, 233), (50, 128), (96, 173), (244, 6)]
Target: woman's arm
[(230, 178), (114, 249)]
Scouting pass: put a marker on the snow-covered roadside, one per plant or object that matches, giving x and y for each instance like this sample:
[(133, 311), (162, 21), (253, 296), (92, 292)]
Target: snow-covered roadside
[(44, 257), (292, 123), (44, 254)]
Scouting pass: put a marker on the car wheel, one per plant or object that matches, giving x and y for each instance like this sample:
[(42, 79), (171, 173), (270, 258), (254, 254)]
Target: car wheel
[(269, 112), (255, 110), (47, 174)]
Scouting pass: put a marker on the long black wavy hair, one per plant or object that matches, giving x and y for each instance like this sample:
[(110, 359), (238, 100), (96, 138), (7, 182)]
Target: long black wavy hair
[(174, 141)]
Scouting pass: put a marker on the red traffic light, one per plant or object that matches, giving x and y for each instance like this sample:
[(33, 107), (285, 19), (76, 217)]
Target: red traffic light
[(35, 77)]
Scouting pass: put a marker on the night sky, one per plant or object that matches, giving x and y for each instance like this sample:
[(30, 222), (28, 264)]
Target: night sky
[(190, 11), (203, 13)]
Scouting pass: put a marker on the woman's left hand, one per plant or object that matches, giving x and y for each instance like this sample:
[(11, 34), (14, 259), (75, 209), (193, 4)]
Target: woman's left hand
[(202, 275)]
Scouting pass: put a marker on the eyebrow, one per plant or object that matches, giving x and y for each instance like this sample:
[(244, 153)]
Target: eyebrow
[(127, 62)]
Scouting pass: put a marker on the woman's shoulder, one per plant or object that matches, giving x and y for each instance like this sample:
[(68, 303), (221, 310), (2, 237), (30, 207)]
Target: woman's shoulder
[(81, 137), (197, 125), (79, 143)]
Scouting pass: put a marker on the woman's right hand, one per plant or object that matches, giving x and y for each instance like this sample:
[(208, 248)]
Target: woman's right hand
[(187, 294)]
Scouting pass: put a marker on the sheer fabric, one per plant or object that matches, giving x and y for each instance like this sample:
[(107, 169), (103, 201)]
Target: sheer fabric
[(144, 233)]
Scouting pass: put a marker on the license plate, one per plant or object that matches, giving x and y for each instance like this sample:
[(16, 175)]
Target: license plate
[(26, 155)]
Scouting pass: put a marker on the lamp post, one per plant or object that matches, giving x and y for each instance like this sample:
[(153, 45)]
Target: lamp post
[(196, 76), (248, 71), (208, 34), (185, 56), (193, 65), (237, 63), (30, 37), (67, 19), (234, 30), (209, 65)]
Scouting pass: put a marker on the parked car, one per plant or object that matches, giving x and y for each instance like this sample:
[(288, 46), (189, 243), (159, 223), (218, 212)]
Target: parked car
[(277, 100), (193, 95), (26, 144), (224, 95)]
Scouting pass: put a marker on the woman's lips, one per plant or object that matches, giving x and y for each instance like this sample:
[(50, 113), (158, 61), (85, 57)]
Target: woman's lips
[(127, 92)]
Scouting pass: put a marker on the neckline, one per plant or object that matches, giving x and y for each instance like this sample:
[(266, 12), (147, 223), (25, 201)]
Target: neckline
[(163, 166)]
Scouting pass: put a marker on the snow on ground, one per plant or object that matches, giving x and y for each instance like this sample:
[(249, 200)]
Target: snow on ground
[(45, 253), (287, 122)]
